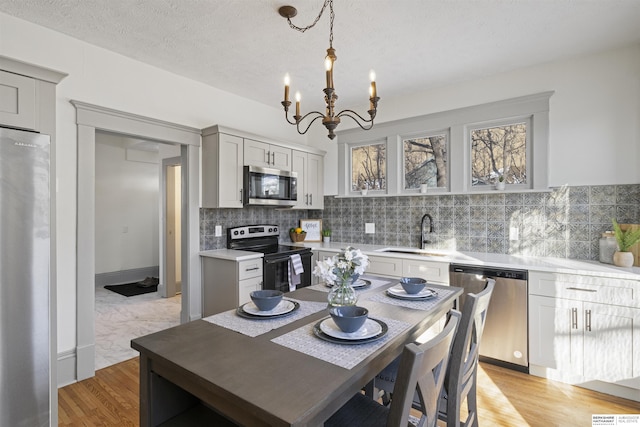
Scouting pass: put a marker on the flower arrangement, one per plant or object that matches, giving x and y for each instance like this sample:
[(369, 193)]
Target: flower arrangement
[(339, 268)]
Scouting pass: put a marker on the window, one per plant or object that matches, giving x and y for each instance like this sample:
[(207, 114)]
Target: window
[(425, 161), (369, 167), (499, 151), (456, 151)]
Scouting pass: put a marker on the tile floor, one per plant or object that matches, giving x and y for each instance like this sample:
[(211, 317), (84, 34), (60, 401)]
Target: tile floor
[(119, 319)]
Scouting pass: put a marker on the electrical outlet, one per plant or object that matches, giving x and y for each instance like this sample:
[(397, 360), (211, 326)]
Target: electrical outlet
[(218, 230), (369, 228), (513, 233)]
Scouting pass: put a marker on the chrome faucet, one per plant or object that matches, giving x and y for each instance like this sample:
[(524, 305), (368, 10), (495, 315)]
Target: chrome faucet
[(422, 239)]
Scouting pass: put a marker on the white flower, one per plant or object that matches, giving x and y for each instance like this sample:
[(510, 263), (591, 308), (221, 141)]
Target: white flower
[(342, 266)]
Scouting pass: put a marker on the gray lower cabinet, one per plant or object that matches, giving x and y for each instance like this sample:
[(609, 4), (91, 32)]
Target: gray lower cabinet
[(227, 284)]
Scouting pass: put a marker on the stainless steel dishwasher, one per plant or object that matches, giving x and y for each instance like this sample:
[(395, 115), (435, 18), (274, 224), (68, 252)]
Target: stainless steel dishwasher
[(505, 338)]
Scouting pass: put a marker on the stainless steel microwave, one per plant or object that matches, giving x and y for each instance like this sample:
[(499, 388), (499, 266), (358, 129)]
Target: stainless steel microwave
[(269, 187)]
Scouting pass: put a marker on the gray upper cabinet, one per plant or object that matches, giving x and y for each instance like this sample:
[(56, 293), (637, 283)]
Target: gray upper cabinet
[(17, 101), (222, 160), (310, 170), (258, 153), (226, 151)]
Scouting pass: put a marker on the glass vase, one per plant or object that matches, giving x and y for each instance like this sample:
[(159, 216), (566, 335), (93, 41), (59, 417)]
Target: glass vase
[(342, 293)]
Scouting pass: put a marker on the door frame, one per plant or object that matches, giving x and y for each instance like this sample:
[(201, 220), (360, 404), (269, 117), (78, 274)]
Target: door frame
[(90, 118), (166, 163)]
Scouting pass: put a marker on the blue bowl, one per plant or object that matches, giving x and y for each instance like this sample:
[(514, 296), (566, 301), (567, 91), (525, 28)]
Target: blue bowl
[(349, 318), (412, 285), (266, 300)]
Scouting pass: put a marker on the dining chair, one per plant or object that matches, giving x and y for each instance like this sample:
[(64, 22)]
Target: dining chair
[(421, 371), (461, 377)]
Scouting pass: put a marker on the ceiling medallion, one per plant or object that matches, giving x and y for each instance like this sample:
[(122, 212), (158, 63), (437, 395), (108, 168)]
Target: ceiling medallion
[(330, 119)]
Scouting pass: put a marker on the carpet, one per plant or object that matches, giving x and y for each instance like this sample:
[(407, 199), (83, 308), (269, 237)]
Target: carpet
[(145, 286)]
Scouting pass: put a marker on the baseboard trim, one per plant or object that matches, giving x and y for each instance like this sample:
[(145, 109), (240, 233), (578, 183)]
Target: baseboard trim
[(126, 276), (67, 367), (599, 386)]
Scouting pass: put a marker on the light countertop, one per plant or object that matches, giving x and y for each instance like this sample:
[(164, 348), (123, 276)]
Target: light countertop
[(547, 264), (231, 254)]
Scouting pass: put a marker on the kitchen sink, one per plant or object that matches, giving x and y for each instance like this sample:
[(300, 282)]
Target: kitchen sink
[(411, 251)]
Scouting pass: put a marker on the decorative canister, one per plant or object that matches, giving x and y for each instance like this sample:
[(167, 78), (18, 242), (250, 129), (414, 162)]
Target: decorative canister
[(608, 245)]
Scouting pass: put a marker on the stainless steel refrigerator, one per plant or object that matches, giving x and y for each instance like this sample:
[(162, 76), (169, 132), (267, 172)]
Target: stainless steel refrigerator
[(24, 278)]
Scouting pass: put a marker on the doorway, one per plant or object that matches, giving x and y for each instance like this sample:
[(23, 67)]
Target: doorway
[(89, 118)]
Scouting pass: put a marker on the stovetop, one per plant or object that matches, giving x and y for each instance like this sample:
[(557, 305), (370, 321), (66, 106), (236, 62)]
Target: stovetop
[(260, 238)]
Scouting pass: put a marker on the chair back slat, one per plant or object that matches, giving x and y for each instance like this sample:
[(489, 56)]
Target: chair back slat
[(422, 368)]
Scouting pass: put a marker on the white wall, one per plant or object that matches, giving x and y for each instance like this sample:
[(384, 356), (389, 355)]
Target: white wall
[(127, 194), (100, 77), (594, 115)]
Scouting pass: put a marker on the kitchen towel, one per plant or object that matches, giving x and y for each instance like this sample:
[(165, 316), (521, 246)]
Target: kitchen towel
[(295, 270)]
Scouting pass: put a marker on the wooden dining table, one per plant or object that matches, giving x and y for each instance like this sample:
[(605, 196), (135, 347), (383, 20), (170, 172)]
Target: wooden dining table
[(201, 368)]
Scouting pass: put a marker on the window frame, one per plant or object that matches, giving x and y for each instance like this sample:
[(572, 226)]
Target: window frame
[(535, 107)]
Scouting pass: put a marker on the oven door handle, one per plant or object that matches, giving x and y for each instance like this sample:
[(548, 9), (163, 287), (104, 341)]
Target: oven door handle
[(283, 258)]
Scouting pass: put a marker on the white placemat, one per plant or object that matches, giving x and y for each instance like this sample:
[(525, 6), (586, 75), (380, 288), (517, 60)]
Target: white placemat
[(427, 304), (253, 328), (346, 356), (375, 283)]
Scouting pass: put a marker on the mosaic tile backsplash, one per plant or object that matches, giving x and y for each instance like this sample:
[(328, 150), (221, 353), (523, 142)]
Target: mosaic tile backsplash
[(565, 222)]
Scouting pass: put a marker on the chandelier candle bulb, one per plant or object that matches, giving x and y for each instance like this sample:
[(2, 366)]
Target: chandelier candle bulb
[(298, 103), (372, 76), (287, 82)]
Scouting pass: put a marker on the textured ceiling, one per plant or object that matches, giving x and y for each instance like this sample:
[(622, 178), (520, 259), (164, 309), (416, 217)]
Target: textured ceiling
[(245, 47)]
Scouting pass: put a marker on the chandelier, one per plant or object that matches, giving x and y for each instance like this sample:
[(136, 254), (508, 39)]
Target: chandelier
[(330, 119)]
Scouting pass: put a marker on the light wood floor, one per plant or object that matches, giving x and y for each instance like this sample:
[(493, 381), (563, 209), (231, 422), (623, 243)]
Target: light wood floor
[(505, 398)]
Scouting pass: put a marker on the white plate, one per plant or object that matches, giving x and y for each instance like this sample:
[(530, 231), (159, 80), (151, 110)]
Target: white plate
[(360, 283), (285, 306), (371, 328), (398, 291)]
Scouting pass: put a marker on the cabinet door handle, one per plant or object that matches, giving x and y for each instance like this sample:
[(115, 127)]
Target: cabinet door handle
[(268, 157), (306, 199), (310, 199), (273, 158), (241, 195), (574, 318), (582, 289), (587, 320)]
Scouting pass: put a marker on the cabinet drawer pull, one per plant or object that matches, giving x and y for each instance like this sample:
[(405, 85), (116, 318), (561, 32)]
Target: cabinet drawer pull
[(582, 289), (252, 269), (574, 318), (587, 316)]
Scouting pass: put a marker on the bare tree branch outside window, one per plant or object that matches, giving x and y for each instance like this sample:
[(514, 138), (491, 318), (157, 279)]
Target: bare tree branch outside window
[(425, 161), (369, 167), (497, 151)]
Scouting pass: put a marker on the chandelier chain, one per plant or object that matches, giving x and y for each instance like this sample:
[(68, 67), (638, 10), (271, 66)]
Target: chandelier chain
[(331, 17)]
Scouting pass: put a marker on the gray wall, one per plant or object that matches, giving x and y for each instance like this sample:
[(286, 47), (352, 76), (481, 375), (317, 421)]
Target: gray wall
[(565, 222)]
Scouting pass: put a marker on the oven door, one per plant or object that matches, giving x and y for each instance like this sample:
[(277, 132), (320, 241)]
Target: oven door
[(275, 273)]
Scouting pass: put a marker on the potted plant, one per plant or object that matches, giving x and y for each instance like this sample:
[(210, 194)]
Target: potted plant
[(623, 257), (326, 235), (500, 184)]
